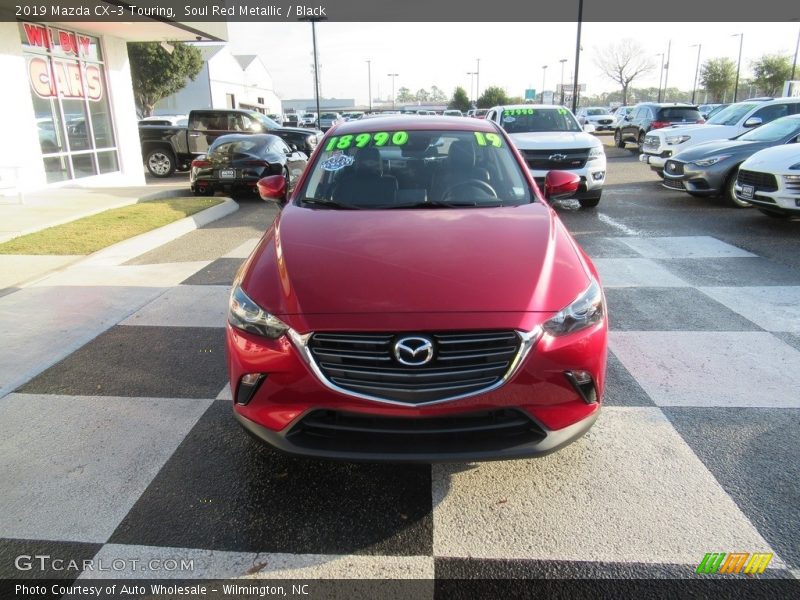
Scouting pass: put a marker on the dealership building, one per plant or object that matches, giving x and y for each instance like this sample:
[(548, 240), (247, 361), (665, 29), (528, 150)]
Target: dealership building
[(68, 105)]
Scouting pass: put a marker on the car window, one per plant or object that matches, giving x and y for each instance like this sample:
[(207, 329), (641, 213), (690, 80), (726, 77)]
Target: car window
[(229, 148), (396, 169), (638, 113), (732, 114), (772, 112), (593, 112), (523, 120), (680, 113), (773, 131)]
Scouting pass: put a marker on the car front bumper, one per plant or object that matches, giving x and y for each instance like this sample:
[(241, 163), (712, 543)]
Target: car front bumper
[(707, 181), (291, 401), (782, 200)]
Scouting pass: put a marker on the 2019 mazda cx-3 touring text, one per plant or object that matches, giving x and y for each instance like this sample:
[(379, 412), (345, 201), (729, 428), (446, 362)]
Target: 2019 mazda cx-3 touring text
[(417, 299)]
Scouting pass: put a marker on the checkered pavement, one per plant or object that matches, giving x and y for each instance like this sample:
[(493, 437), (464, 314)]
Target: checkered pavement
[(125, 448)]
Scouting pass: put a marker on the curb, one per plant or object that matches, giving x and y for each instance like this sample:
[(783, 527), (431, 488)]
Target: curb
[(125, 250)]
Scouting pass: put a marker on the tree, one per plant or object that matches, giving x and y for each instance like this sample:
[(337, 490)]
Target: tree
[(769, 73), (404, 95), (492, 96), (422, 95), (460, 100), (718, 75), (437, 95), (157, 73), (623, 62)]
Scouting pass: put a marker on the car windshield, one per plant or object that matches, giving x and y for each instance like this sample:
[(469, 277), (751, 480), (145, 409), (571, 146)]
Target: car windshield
[(329, 116), (773, 132), (388, 169), (227, 148), (732, 114), (592, 112), (268, 123), (523, 120), (679, 113)]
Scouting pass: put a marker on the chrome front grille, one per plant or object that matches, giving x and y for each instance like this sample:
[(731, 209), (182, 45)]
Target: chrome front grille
[(546, 160), (651, 141), (463, 364)]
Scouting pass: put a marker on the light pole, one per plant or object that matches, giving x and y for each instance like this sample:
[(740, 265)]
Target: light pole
[(738, 65), (577, 57), (794, 64), (660, 74), (316, 62), (478, 80), (369, 82), (544, 72), (471, 83), (666, 68), (696, 69), (562, 61), (392, 75)]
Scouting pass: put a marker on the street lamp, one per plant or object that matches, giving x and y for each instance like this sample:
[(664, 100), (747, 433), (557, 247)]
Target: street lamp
[(660, 74), (392, 75), (696, 69), (471, 83), (666, 68), (544, 72), (477, 80), (794, 64), (562, 61), (369, 82), (577, 57), (316, 63), (738, 65)]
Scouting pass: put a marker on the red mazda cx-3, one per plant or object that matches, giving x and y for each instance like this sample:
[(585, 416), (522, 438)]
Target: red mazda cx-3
[(417, 299)]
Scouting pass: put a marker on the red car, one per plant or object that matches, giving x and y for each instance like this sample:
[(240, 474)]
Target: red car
[(417, 300)]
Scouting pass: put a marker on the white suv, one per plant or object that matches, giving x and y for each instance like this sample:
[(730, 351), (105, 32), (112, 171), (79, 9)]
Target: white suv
[(550, 138), (770, 179), (661, 144)]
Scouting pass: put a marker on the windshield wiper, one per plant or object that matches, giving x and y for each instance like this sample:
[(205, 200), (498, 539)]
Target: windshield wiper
[(328, 203), (442, 204)]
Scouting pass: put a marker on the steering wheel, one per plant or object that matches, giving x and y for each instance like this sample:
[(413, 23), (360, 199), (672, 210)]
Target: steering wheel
[(475, 184)]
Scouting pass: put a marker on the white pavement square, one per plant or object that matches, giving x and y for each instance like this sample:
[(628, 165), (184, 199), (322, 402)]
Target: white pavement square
[(225, 394), (635, 272), (775, 308), (701, 246), (210, 564), (73, 466), (243, 250), (16, 269), (185, 306), (741, 369), (159, 275), (630, 490)]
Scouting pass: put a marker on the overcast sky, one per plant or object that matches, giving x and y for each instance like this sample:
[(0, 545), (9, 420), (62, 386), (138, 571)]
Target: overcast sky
[(511, 54)]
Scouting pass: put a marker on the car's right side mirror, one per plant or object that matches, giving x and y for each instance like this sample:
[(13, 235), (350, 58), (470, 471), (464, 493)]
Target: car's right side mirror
[(753, 122), (272, 188), (560, 185)]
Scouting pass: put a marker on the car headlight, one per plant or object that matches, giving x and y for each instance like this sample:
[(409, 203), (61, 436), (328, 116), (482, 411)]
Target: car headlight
[(246, 315), (673, 140), (707, 162), (791, 178), (586, 310), (595, 153)]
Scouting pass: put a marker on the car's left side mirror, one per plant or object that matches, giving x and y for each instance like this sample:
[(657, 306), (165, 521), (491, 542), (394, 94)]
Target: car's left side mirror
[(588, 128), (272, 188), (753, 122), (560, 185)]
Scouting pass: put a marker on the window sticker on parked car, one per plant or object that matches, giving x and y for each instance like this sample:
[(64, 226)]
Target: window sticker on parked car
[(337, 161), (488, 139), (513, 112), (380, 138)]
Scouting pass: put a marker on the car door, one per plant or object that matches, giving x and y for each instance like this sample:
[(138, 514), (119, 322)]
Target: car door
[(630, 127), (772, 112), (200, 131)]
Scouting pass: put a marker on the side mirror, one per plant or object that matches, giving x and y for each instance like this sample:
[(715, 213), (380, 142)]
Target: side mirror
[(559, 185), (753, 122), (627, 117), (588, 128), (272, 188)]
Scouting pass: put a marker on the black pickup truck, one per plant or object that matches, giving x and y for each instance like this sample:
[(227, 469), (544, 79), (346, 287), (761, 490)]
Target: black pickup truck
[(166, 149)]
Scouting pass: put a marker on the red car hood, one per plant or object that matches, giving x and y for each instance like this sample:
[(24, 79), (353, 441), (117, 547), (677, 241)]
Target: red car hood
[(511, 259)]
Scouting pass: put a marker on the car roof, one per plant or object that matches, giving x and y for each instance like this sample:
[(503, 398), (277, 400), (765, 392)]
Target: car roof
[(536, 106), (415, 122)]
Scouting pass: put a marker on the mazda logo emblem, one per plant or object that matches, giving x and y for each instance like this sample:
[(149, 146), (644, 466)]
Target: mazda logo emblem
[(413, 351), (557, 157)]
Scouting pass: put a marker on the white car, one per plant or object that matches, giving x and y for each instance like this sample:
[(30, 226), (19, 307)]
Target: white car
[(308, 120), (770, 179), (661, 144), (619, 115), (550, 138), (598, 116)]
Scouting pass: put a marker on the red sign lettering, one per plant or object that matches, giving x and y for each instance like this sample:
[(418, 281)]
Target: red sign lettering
[(65, 80), (36, 35)]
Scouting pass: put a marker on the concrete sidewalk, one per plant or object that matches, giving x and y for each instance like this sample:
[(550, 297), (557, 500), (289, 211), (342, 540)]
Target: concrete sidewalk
[(53, 206)]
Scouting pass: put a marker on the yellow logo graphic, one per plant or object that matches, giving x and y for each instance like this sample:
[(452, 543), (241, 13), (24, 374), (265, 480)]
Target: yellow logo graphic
[(735, 562)]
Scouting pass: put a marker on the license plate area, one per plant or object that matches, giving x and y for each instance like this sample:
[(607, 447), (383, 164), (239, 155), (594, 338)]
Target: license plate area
[(227, 173), (748, 191)]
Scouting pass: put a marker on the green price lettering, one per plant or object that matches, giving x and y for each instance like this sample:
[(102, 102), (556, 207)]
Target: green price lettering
[(331, 144), (362, 139), (345, 142), (381, 138), (480, 138), (399, 138), (494, 139)]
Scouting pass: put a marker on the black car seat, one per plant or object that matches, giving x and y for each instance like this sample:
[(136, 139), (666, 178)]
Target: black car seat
[(364, 184), (458, 168)]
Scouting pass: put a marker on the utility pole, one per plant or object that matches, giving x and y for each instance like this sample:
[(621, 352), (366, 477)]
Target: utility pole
[(392, 75), (369, 82), (575, 85), (738, 65), (660, 75), (794, 64), (562, 61), (544, 72), (696, 69), (471, 84), (666, 68), (478, 81)]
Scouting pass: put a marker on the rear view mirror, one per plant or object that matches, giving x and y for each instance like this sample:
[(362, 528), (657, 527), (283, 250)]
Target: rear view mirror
[(560, 185), (272, 188)]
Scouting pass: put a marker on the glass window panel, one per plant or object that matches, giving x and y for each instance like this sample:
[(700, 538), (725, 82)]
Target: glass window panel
[(48, 124), (77, 126), (56, 168), (108, 161), (83, 165), (101, 123)]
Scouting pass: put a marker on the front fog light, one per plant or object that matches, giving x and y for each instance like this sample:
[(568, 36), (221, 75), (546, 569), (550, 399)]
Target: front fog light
[(248, 385), (598, 175), (586, 310), (584, 384)]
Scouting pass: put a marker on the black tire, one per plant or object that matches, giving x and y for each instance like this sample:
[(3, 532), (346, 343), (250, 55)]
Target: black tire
[(160, 162), (729, 194), (640, 142), (590, 202), (618, 142), (773, 213)]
